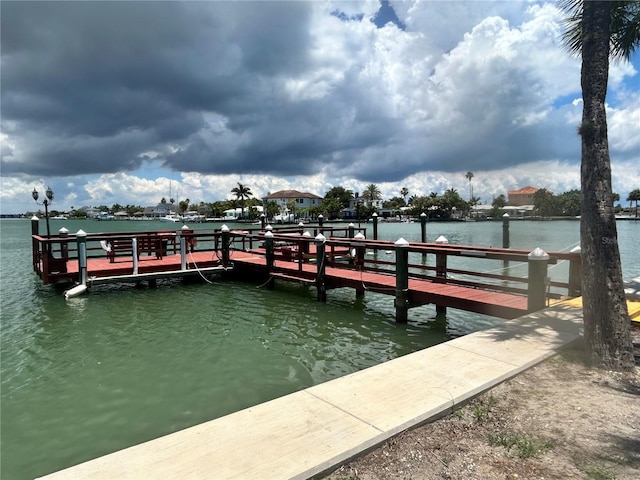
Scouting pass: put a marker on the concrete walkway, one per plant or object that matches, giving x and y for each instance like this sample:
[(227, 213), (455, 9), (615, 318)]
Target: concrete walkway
[(315, 430)]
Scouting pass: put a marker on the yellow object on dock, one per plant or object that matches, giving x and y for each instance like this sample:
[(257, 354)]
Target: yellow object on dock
[(633, 306)]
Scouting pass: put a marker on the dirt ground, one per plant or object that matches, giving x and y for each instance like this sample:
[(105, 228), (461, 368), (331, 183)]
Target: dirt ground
[(558, 420)]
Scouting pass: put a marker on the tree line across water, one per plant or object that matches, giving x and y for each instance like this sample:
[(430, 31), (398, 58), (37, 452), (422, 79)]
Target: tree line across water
[(337, 200)]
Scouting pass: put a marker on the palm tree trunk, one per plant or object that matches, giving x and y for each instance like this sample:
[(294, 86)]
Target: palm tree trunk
[(606, 318)]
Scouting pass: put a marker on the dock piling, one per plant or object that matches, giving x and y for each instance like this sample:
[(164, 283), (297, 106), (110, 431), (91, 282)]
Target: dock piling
[(81, 240), (320, 261), (134, 252), (226, 244), (441, 270), (402, 280), (35, 224), (537, 298), (575, 274), (269, 256), (374, 216)]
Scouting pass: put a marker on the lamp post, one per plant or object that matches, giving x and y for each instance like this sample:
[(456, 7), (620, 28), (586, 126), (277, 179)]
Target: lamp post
[(48, 199)]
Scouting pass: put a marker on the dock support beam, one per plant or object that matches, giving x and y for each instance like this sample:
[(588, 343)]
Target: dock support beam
[(134, 252), (423, 227), (575, 274), (537, 298), (505, 231), (320, 261), (35, 224), (402, 281), (183, 252), (81, 240), (226, 244), (441, 272), (360, 251), (270, 256), (505, 236), (374, 216)]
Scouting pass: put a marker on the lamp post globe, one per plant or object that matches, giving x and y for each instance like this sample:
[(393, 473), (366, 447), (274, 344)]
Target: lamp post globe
[(48, 199)]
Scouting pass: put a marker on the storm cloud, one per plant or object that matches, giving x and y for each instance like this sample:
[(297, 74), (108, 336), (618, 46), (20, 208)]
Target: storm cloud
[(288, 88)]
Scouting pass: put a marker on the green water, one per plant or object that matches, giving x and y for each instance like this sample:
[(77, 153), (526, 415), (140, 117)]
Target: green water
[(123, 365)]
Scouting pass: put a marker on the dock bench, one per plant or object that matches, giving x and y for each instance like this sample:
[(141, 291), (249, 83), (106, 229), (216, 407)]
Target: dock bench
[(149, 244)]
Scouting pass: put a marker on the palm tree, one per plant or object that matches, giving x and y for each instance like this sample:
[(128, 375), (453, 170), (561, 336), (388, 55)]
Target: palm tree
[(371, 193), (241, 192), (600, 30), (634, 195), (469, 176), (404, 191)]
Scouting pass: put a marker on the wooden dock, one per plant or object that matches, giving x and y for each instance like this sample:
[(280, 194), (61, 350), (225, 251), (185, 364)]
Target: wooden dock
[(414, 274)]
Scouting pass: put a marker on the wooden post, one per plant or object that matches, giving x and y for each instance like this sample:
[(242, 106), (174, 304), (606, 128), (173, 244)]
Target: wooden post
[(226, 245), (505, 230), (269, 256), (441, 271), (320, 262), (81, 240), (305, 245), (375, 225), (575, 274), (423, 227), (360, 251), (35, 245), (134, 252), (537, 298), (300, 228), (64, 246), (402, 281), (183, 251), (505, 237), (320, 222), (263, 221), (352, 230)]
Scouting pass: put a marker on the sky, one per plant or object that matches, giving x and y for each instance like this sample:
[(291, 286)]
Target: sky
[(130, 102)]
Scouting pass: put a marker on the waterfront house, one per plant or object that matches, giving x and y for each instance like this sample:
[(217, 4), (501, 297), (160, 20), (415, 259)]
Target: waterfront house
[(523, 196), (299, 201)]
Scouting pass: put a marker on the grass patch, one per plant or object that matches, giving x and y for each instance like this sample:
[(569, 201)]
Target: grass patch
[(483, 409), (521, 444), (600, 473)]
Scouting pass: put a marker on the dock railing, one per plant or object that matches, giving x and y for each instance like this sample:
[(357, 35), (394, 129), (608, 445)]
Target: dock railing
[(428, 261)]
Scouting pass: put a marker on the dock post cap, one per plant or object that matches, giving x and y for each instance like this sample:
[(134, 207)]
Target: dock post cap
[(351, 225), (538, 254), (359, 236), (184, 227), (224, 228), (301, 224), (401, 242), (63, 232), (306, 234), (81, 233), (423, 214), (506, 216), (268, 228), (576, 249), (374, 214), (442, 239), (268, 234), (35, 217), (320, 216), (320, 238)]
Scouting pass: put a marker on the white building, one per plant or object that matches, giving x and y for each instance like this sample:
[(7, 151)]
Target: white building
[(298, 200)]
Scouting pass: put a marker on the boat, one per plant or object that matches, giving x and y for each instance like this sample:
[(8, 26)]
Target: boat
[(171, 217)]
